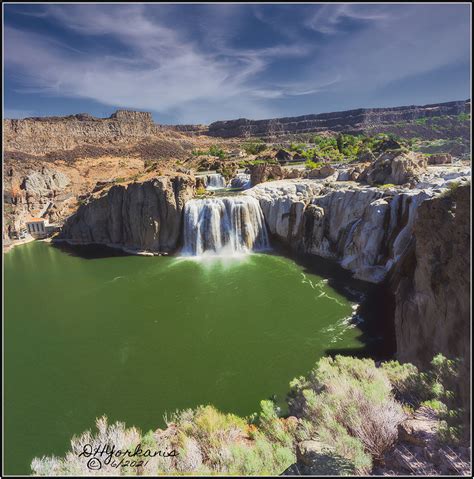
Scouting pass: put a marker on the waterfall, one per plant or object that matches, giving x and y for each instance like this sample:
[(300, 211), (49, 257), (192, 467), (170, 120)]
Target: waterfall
[(241, 180), (215, 181), (226, 225)]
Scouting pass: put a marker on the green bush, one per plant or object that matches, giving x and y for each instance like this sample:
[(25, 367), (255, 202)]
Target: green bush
[(311, 165), (215, 150), (263, 458), (254, 147), (348, 403)]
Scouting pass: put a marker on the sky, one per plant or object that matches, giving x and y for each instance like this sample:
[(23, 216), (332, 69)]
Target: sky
[(201, 63)]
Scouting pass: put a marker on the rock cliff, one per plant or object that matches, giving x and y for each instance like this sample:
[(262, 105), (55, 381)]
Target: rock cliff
[(40, 192), (42, 135), (143, 216), (361, 120), (367, 229), (432, 283)]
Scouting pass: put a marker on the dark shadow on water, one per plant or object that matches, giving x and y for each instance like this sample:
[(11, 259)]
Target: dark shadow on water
[(374, 316), (89, 251)]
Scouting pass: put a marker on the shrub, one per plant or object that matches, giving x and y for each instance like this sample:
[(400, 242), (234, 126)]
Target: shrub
[(410, 386), (445, 375), (436, 388), (348, 403), (254, 147), (311, 165), (215, 150), (262, 458), (276, 429), (72, 464)]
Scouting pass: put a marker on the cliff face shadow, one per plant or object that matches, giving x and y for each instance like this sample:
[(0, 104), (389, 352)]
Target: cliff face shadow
[(89, 251), (375, 314)]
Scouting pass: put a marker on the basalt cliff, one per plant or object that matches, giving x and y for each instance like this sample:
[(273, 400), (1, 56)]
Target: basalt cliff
[(144, 216), (362, 120)]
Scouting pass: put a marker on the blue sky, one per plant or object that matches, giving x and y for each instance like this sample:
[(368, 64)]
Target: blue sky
[(208, 62)]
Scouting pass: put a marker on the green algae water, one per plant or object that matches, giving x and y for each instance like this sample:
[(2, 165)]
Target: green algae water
[(133, 337)]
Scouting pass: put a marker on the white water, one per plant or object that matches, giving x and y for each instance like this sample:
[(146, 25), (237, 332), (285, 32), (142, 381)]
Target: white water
[(224, 226), (215, 181)]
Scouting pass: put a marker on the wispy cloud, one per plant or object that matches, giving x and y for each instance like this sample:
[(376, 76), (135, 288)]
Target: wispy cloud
[(328, 18), (227, 61), (159, 69)]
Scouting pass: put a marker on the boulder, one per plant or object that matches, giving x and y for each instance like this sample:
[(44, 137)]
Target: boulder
[(308, 451), (283, 156), (440, 159), (395, 168), (323, 172), (388, 144), (263, 172)]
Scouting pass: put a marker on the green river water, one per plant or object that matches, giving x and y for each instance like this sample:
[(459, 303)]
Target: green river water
[(132, 337)]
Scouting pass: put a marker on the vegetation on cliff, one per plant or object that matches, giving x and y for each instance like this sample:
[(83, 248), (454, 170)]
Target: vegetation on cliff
[(351, 408)]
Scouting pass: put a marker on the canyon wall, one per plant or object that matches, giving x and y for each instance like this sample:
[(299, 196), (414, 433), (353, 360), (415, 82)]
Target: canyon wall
[(42, 135), (365, 229), (351, 121), (143, 216), (432, 283)]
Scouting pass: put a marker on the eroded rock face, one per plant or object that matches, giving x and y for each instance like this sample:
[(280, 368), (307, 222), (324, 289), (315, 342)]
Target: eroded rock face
[(394, 168), (366, 229), (432, 284), (39, 136), (30, 193), (264, 172), (348, 121), (44, 181), (138, 216)]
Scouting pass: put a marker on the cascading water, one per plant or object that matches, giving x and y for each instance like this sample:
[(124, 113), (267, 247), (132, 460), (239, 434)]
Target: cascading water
[(215, 181), (224, 226)]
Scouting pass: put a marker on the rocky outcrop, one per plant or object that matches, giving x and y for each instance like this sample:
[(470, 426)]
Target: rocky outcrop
[(138, 216), (346, 121), (419, 451), (41, 192), (263, 172), (324, 171), (393, 167), (43, 182), (42, 135), (366, 229), (440, 159), (432, 283)]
